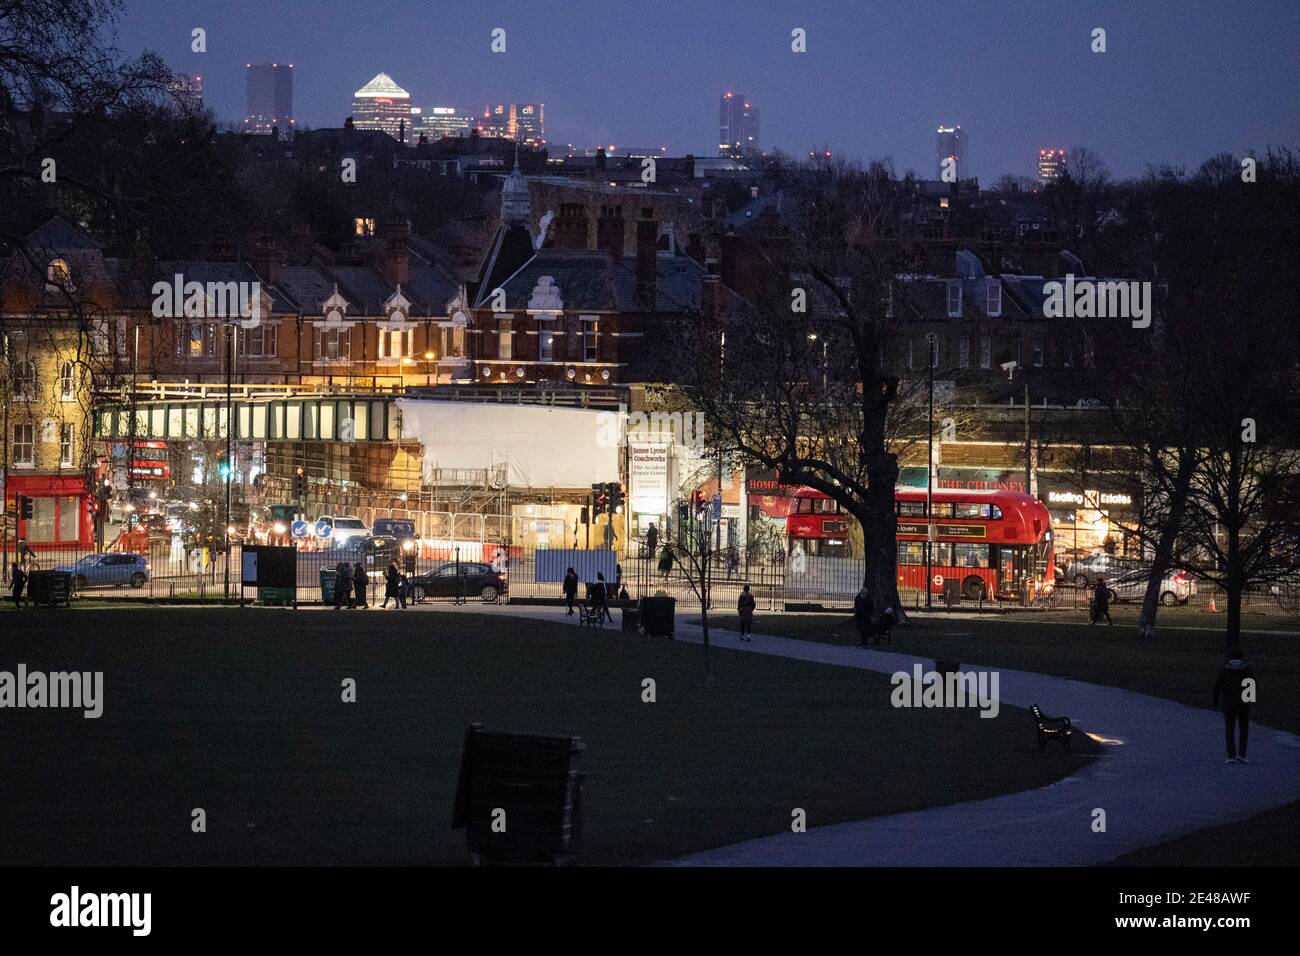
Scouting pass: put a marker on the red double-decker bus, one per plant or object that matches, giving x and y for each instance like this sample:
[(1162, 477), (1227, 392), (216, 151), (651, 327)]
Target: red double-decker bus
[(993, 542), (147, 460)]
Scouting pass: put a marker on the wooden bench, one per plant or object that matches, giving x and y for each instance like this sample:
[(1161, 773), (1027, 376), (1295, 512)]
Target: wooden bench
[(591, 614), (1051, 728)]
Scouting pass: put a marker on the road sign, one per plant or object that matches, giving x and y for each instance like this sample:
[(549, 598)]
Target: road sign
[(717, 507), (298, 529), (938, 580), (323, 529)]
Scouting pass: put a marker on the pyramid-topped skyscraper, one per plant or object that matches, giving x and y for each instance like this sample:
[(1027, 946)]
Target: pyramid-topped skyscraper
[(382, 104)]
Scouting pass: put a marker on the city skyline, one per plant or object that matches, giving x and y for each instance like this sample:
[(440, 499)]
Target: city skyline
[(1015, 82)]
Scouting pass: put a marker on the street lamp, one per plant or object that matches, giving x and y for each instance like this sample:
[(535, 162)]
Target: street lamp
[(1011, 368), (929, 477)]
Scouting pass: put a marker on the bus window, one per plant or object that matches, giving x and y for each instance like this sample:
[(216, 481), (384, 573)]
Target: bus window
[(911, 509), (995, 512), (804, 507), (970, 509), (941, 554), (911, 552), (972, 555), (943, 509)]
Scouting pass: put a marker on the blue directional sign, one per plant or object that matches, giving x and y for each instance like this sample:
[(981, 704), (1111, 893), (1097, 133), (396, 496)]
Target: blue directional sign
[(323, 529), (298, 529), (717, 507)]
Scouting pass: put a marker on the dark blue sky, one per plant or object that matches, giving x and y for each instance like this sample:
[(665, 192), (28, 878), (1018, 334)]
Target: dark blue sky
[(1181, 79)]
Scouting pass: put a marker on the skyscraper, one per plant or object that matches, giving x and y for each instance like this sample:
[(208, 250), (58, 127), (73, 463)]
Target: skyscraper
[(269, 103), (950, 144), (1051, 163), (737, 124), (439, 121), (522, 122), (382, 104)]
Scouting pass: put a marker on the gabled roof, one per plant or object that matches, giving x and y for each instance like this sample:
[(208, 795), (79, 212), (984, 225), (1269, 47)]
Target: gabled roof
[(592, 280)]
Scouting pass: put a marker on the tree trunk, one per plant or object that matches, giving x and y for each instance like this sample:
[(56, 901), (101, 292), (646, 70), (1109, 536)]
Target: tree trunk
[(1165, 544), (879, 533)]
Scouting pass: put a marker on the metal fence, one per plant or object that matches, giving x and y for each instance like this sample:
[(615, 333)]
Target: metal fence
[(176, 571)]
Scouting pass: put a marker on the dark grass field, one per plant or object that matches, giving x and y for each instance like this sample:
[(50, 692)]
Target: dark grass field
[(239, 712), (1178, 665)]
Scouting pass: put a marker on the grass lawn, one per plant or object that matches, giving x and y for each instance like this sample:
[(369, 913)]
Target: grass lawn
[(1178, 665), (239, 712)]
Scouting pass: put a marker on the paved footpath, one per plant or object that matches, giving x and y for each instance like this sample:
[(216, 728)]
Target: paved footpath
[(1162, 775)]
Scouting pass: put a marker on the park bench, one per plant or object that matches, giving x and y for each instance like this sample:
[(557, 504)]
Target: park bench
[(591, 614), (1051, 728)]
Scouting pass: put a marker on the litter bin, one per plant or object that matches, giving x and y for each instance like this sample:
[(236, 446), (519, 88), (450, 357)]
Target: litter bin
[(50, 588), (631, 618), (280, 597), (327, 585), (658, 616)]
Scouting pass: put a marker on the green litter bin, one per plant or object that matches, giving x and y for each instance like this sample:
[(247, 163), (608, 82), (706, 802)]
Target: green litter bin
[(327, 585), (279, 597)]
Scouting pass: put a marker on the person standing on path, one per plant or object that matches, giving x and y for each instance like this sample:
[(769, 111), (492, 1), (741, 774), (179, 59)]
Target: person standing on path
[(1101, 603), (862, 616), (570, 588), (1233, 692), (745, 608), (17, 581), (651, 541), (343, 585), (666, 562), (360, 582)]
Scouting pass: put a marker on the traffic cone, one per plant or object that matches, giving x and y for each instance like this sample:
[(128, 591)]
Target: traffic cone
[(1211, 608)]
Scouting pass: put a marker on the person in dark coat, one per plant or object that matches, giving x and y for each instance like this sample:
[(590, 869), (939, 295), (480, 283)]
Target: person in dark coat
[(393, 586), (666, 562), (17, 581), (1233, 691), (651, 540), (862, 616), (343, 585), (1101, 603), (360, 582), (570, 588), (600, 595), (745, 608)]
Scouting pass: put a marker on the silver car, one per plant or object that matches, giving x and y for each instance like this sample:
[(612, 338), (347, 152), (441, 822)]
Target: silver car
[(1177, 587), (1086, 572)]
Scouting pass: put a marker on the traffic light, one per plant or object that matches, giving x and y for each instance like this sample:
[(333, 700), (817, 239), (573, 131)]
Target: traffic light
[(25, 508), (599, 499), (223, 466), (585, 515), (300, 483), (615, 498)]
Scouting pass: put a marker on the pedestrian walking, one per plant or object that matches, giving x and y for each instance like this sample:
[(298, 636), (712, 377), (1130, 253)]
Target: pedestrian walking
[(17, 581), (745, 608), (343, 585), (651, 541), (666, 562), (1101, 603), (1233, 691), (360, 583), (733, 562), (862, 616), (393, 586), (570, 588)]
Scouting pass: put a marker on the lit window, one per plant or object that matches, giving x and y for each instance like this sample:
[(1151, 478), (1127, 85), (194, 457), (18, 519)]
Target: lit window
[(58, 275), (590, 338), (333, 344), (545, 341), (363, 227), (505, 340)]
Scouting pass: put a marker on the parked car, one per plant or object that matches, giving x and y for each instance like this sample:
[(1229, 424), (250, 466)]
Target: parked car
[(1086, 572), (1177, 587), (372, 551), (343, 528), (468, 578), (111, 570)]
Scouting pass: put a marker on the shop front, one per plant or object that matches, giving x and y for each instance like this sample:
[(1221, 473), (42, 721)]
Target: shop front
[(1092, 516), (61, 516)]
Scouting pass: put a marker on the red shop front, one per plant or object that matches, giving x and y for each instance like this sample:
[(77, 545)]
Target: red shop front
[(61, 516)]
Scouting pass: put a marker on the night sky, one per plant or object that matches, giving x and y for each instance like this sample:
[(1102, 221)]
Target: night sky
[(1181, 79)]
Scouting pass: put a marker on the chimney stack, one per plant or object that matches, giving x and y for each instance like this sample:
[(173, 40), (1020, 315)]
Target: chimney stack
[(394, 257), (610, 232), (647, 256), (267, 259)]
